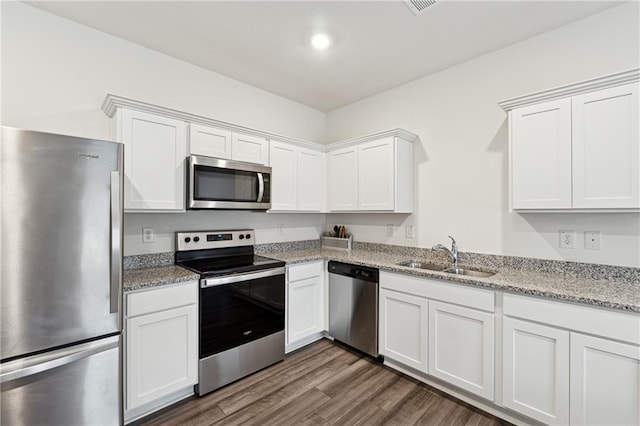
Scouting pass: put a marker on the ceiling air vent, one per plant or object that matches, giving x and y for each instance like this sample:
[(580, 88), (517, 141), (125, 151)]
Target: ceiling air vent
[(419, 6)]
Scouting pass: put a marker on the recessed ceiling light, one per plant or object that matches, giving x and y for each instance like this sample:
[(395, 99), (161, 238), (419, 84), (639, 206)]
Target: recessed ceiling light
[(320, 41)]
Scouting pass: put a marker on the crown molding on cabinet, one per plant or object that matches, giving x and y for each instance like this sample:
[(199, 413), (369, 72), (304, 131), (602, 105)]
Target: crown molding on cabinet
[(611, 80), (401, 133), (113, 102)]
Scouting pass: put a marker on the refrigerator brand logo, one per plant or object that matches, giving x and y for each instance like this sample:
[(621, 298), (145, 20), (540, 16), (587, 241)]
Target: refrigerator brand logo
[(88, 156)]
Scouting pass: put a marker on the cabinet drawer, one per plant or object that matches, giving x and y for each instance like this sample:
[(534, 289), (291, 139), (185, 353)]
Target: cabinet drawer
[(614, 325), (305, 270), (439, 290), (161, 299)]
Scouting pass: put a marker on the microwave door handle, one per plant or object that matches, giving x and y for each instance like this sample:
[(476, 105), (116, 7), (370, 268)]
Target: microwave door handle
[(260, 187)]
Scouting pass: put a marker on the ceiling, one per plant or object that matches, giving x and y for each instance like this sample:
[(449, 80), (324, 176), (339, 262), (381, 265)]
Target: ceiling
[(378, 44)]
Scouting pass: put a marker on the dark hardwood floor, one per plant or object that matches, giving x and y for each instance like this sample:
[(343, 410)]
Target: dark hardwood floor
[(323, 384)]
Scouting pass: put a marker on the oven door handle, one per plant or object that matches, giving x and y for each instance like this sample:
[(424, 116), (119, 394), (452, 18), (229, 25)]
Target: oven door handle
[(230, 279)]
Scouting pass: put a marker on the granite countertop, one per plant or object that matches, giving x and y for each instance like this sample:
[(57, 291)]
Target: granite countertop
[(138, 279), (615, 294), (600, 285)]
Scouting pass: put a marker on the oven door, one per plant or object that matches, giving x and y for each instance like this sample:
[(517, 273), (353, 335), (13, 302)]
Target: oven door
[(222, 184), (239, 309)]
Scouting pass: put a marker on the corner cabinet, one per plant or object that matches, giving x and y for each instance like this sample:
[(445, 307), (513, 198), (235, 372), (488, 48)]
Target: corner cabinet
[(577, 147), (297, 179), (155, 148), (372, 173), (161, 347)]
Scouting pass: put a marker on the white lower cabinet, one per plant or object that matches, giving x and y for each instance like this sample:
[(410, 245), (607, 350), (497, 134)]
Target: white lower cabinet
[(461, 347), (535, 380), (605, 382), (555, 373), (403, 328), (305, 304), (161, 347)]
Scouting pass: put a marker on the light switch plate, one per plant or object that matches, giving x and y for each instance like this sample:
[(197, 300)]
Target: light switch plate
[(390, 230)]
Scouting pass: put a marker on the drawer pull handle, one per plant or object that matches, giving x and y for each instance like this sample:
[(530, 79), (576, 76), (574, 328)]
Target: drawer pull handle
[(246, 333)]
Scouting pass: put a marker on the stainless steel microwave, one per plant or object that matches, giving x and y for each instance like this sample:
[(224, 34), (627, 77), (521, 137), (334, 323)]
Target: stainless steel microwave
[(215, 183)]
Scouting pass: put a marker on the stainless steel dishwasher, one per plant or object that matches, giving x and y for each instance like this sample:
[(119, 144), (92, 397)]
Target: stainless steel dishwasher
[(353, 306)]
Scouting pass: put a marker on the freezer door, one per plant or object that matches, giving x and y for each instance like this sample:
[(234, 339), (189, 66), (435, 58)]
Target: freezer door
[(61, 262), (79, 385)]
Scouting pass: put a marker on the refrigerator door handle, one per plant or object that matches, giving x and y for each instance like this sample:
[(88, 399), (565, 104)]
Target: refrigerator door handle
[(39, 363), (116, 243)]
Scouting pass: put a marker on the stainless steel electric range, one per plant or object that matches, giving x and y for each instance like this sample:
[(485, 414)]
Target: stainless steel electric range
[(242, 305)]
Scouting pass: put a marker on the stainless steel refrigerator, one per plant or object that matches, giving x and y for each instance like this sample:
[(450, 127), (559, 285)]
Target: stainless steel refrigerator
[(61, 292)]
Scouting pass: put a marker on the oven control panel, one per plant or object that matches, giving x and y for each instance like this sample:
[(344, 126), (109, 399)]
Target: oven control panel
[(199, 240)]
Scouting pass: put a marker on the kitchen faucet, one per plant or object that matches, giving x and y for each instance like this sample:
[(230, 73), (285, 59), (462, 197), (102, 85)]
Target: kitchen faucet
[(453, 252)]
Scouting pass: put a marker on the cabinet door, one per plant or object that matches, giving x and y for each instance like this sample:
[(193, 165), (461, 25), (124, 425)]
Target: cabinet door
[(535, 371), (162, 354), (311, 180), (252, 149), (605, 382), (606, 148), (209, 141), (461, 347), (155, 150), (305, 307), (284, 176), (343, 179), (541, 156), (403, 328), (376, 175)]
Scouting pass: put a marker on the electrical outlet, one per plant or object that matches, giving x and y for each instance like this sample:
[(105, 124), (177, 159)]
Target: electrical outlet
[(390, 230), (280, 229), (592, 240), (148, 236), (568, 239), (408, 231)]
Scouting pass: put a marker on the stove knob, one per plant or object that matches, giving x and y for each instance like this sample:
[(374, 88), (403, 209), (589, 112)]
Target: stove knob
[(248, 236), (241, 237), (187, 240), (196, 239)]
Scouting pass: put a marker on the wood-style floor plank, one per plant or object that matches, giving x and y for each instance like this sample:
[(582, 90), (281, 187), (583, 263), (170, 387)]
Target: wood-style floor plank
[(323, 384)]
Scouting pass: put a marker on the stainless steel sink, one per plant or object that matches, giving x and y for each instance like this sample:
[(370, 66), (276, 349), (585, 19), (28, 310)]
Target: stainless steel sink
[(469, 272), (423, 265)]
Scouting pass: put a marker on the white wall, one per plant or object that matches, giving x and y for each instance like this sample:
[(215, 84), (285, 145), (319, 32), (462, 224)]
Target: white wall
[(56, 73), (461, 162)]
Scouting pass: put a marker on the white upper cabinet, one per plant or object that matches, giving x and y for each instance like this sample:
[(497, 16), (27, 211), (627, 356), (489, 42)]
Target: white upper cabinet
[(606, 148), (252, 149), (298, 178), (374, 173), (283, 159), (343, 179), (155, 148), (541, 155), (209, 141), (312, 173), (577, 147), (220, 143)]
